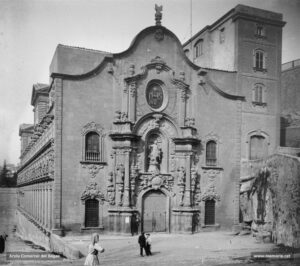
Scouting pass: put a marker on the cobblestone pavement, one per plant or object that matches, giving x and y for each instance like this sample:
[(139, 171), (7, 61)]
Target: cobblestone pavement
[(207, 248)]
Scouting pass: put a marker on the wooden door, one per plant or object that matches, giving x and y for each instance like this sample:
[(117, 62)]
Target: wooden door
[(92, 213), (155, 212)]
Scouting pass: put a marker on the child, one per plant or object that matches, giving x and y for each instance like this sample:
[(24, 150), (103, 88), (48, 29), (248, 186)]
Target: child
[(94, 248), (148, 244)]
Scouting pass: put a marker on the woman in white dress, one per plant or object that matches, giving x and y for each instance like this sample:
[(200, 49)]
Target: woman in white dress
[(94, 249)]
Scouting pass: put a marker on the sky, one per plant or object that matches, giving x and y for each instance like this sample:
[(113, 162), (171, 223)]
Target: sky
[(30, 30)]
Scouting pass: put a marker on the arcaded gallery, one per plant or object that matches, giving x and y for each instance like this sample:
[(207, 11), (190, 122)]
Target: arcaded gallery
[(153, 138)]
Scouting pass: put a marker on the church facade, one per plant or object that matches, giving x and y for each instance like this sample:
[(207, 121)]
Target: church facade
[(153, 138)]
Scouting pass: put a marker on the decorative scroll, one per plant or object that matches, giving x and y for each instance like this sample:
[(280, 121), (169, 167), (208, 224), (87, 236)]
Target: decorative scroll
[(92, 192)]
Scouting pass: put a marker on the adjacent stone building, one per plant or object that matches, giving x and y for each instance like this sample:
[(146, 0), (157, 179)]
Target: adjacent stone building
[(153, 138), (290, 104)]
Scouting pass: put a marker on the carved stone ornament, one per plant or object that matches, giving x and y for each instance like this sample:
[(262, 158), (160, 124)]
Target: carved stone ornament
[(132, 88), (158, 14), (210, 193), (189, 122), (92, 126), (156, 181), (92, 192), (120, 116), (159, 35), (110, 189), (93, 169)]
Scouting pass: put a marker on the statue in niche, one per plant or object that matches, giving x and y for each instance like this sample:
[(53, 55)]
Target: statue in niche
[(154, 157), (181, 175), (119, 174), (119, 183), (181, 183)]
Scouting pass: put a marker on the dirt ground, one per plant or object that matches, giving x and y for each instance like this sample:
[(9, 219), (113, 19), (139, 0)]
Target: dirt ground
[(207, 248)]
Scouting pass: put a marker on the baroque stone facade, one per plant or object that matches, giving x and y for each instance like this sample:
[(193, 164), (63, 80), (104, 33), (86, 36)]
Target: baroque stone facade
[(146, 138)]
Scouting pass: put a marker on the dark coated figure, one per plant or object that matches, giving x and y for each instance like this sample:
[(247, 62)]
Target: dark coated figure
[(142, 243)]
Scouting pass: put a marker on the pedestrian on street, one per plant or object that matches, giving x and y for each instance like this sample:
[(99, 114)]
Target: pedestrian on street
[(142, 242), (93, 250), (148, 244), (2, 242)]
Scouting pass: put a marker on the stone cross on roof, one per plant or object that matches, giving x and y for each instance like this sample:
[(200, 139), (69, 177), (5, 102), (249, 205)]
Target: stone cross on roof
[(158, 14)]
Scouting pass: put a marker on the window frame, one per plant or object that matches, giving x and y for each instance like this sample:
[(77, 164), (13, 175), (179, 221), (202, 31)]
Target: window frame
[(259, 94), (257, 132), (95, 129), (215, 153), (260, 31), (198, 48), (259, 60)]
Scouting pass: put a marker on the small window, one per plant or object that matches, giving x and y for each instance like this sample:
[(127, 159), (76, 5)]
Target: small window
[(209, 218), (91, 213), (258, 147), (258, 95), (260, 31), (92, 147), (198, 48), (222, 35), (211, 153), (259, 61)]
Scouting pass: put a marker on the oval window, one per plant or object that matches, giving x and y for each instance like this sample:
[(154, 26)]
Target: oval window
[(155, 95)]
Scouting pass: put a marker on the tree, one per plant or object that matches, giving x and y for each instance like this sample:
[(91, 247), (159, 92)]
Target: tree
[(3, 175)]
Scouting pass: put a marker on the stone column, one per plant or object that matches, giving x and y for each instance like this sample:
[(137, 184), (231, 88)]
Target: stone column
[(45, 204), (187, 198), (38, 202), (132, 101), (57, 183), (31, 200), (50, 206), (35, 202), (126, 201)]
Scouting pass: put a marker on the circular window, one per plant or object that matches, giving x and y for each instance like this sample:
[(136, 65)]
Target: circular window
[(155, 95)]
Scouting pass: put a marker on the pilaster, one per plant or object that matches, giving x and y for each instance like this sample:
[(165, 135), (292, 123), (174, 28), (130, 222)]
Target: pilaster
[(57, 189)]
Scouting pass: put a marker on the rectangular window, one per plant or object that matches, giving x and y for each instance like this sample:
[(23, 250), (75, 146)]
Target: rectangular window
[(211, 153), (259, 60), (260, 31), (258, 94), (199, 48)]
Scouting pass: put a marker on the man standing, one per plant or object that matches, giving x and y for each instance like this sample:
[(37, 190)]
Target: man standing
[(142, 242)]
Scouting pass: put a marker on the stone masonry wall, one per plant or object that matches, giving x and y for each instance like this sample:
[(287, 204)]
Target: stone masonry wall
[(270, 199)]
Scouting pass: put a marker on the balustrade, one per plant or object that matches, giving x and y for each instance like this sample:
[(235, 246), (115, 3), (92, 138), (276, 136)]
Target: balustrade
[(92, 156)]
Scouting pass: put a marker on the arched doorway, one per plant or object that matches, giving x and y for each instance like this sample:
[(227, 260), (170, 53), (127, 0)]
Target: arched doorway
[(155, 212)]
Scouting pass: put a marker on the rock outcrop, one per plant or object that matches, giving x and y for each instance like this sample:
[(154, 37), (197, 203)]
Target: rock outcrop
[(270, 200)]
